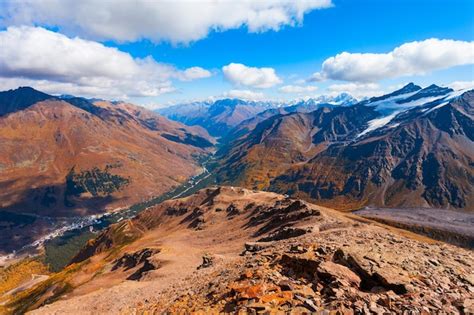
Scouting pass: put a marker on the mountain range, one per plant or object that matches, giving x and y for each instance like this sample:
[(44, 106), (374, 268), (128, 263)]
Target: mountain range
[(73, 157), (221, 116), (235, 207), (410, 148), (216, 117)]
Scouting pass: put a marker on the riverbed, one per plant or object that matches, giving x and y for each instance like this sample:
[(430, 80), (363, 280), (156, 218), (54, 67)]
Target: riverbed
[(456, 227)]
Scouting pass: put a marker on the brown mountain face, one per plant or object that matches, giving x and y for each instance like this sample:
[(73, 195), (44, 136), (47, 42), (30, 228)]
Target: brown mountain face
[(280, 255), (249, 124), (272, 147), (283, 141), (73, 157), (424, 157), (427, 160)]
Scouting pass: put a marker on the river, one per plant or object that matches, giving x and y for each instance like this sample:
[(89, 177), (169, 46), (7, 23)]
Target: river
[(62, 243)]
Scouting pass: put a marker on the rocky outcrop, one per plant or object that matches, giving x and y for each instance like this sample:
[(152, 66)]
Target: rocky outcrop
[(285, 233), (373, 277), (351, 272), (140, 259)]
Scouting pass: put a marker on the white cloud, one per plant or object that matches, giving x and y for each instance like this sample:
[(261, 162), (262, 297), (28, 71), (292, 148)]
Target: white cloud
[(58, 64), (415, 58), (105, 90), (244, 94), (461, 85), (358, 90), (297, 89), (177, 21), (242, 75), (194, 73)]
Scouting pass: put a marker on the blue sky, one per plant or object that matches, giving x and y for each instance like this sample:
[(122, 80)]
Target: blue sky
[(294, 50)]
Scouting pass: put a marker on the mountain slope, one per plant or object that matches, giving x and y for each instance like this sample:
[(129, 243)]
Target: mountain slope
[(410, 148), (425, 160), (62, 160), (285, 140), (249, 124), (283, 254)]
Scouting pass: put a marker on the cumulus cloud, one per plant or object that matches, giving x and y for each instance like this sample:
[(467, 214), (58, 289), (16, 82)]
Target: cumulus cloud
[(358, 90), (176, 21), (59, 64), (244, 94), (415, 58), (105, 90), (297, 89), (194, 73), (242, 75)]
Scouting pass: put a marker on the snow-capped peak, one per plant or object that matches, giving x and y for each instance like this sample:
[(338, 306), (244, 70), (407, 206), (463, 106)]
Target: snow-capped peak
[(404, 99)]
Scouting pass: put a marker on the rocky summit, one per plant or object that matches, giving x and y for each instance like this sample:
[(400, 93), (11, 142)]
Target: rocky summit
[(233, 250)]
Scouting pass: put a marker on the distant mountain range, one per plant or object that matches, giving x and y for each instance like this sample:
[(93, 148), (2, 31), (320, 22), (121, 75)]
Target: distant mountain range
[(413, 147), (216, 117), (221, 116), (67, 156)]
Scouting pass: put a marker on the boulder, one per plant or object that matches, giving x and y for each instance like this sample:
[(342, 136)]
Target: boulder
[(285, 233), (374, 276), (332, 272), (207, 261)]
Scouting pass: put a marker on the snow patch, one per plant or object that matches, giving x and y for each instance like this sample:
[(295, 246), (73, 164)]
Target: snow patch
[(436, 107), (389, 107), (378, 123)]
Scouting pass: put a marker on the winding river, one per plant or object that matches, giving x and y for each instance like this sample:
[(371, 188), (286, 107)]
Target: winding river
[(62, 243)]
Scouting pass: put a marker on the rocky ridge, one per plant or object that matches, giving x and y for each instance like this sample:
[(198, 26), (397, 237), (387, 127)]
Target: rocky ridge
[(228, 249)]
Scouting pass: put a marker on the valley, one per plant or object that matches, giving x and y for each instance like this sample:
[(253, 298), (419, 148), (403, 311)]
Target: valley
[(63, 237), (77, 161)]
